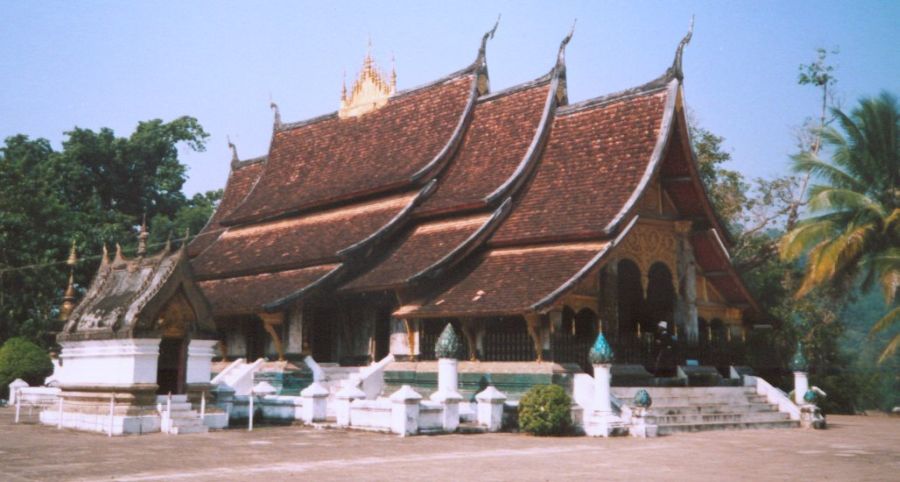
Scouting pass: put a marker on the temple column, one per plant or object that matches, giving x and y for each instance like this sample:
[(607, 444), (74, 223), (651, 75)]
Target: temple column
[(686, 304), (404, 338), (539, 331), (295, 331), (474, 333), (609, 298), (272, 322)]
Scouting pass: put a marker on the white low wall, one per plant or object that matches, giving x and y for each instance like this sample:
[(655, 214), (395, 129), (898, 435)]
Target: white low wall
[(371, 414), (430, 417), (109, 362)]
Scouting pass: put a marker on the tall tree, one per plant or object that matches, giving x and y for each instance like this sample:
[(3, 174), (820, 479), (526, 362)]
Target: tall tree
[(855, 229), (93, 191)]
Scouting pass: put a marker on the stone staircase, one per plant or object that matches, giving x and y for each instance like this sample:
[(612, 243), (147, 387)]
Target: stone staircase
[(692, 409), (183, 419)]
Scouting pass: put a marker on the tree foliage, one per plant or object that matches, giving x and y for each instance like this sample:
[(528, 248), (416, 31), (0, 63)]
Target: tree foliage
[(94, 191), (20, 358), (854, 227)]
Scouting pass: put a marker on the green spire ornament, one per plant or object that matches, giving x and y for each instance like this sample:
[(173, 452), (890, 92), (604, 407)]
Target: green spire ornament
[(601, 353), (810, 396), (642, 399), (798, 362), (447, 345)]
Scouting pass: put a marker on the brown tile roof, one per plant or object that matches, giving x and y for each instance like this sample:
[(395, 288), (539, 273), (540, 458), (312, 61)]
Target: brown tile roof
[(421, 248), (295, 242), (593, 163), (247, 294), (501, 130), (332, 159), (240, 181), (509, 280)]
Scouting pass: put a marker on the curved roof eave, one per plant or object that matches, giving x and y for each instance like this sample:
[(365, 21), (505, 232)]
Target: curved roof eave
[(578, 277)]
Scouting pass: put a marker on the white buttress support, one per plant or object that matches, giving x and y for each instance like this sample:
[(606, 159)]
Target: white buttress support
[(199, 361), (405, 411), (490, 408), (343, 398), (315, 398)]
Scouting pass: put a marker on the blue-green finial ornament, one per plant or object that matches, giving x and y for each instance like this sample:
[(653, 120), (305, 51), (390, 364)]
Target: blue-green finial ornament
[(810, 396), (642, 399), (798, 363), (447, 345), (601, 352)]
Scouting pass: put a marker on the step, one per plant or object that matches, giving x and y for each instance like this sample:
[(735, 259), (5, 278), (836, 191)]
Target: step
[(182, 430), (176, 407), (697, 427), (175, 399), (710, 409), (665, 401), (722, 417)]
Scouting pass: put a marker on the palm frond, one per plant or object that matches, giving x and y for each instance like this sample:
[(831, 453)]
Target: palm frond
[(823, 198), (890, 349), (810, 163), (807, 234)]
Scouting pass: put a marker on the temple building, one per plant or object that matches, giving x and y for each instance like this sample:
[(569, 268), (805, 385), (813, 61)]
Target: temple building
[(527, 221)]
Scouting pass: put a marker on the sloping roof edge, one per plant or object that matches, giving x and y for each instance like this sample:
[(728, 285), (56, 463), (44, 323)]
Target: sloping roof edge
[(583, 273)]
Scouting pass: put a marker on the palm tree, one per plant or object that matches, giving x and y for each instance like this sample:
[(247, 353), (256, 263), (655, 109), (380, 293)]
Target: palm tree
[(853, 231)]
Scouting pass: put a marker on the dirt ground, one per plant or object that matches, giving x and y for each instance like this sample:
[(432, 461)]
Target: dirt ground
[(853, 448)]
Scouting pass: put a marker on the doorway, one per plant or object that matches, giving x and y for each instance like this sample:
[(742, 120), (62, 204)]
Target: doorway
[(171, 365)]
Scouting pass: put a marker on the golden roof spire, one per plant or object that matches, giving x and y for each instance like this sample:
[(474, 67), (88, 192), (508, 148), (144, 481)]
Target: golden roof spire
[(73, 256), (68, 303), (370, 91)]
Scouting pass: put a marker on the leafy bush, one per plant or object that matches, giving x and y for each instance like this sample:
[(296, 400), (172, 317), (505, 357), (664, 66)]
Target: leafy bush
[(20, 358), (545, 410)]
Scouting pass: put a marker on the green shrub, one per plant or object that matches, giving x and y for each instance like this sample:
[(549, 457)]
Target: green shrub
[(545, 410), (20, 358)]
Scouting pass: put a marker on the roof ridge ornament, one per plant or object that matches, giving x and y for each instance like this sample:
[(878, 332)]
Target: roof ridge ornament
[(484, 83), (235, 160), (675, 70), (561, 56), (559, 71), (277, 123)]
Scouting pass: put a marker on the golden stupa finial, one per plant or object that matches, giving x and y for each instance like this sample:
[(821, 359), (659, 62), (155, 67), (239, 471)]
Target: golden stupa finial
[(104, 258), (73, 256), (118, 256), (68, 303), (370, 90), (142, 237), (168, 246)]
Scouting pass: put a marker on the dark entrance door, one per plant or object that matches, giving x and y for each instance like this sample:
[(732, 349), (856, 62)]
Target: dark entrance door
[(382, 334), (171, 365)]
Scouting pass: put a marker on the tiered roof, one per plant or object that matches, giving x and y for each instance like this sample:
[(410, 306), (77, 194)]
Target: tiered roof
[(479, 204)]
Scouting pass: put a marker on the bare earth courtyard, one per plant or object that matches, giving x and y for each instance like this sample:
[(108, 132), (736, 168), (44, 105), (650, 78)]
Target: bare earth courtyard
[(853, 448)]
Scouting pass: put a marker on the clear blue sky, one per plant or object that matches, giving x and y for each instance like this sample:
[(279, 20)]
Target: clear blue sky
[(102, 63)]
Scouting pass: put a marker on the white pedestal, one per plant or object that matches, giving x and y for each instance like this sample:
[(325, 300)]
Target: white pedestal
[(801, 386)]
